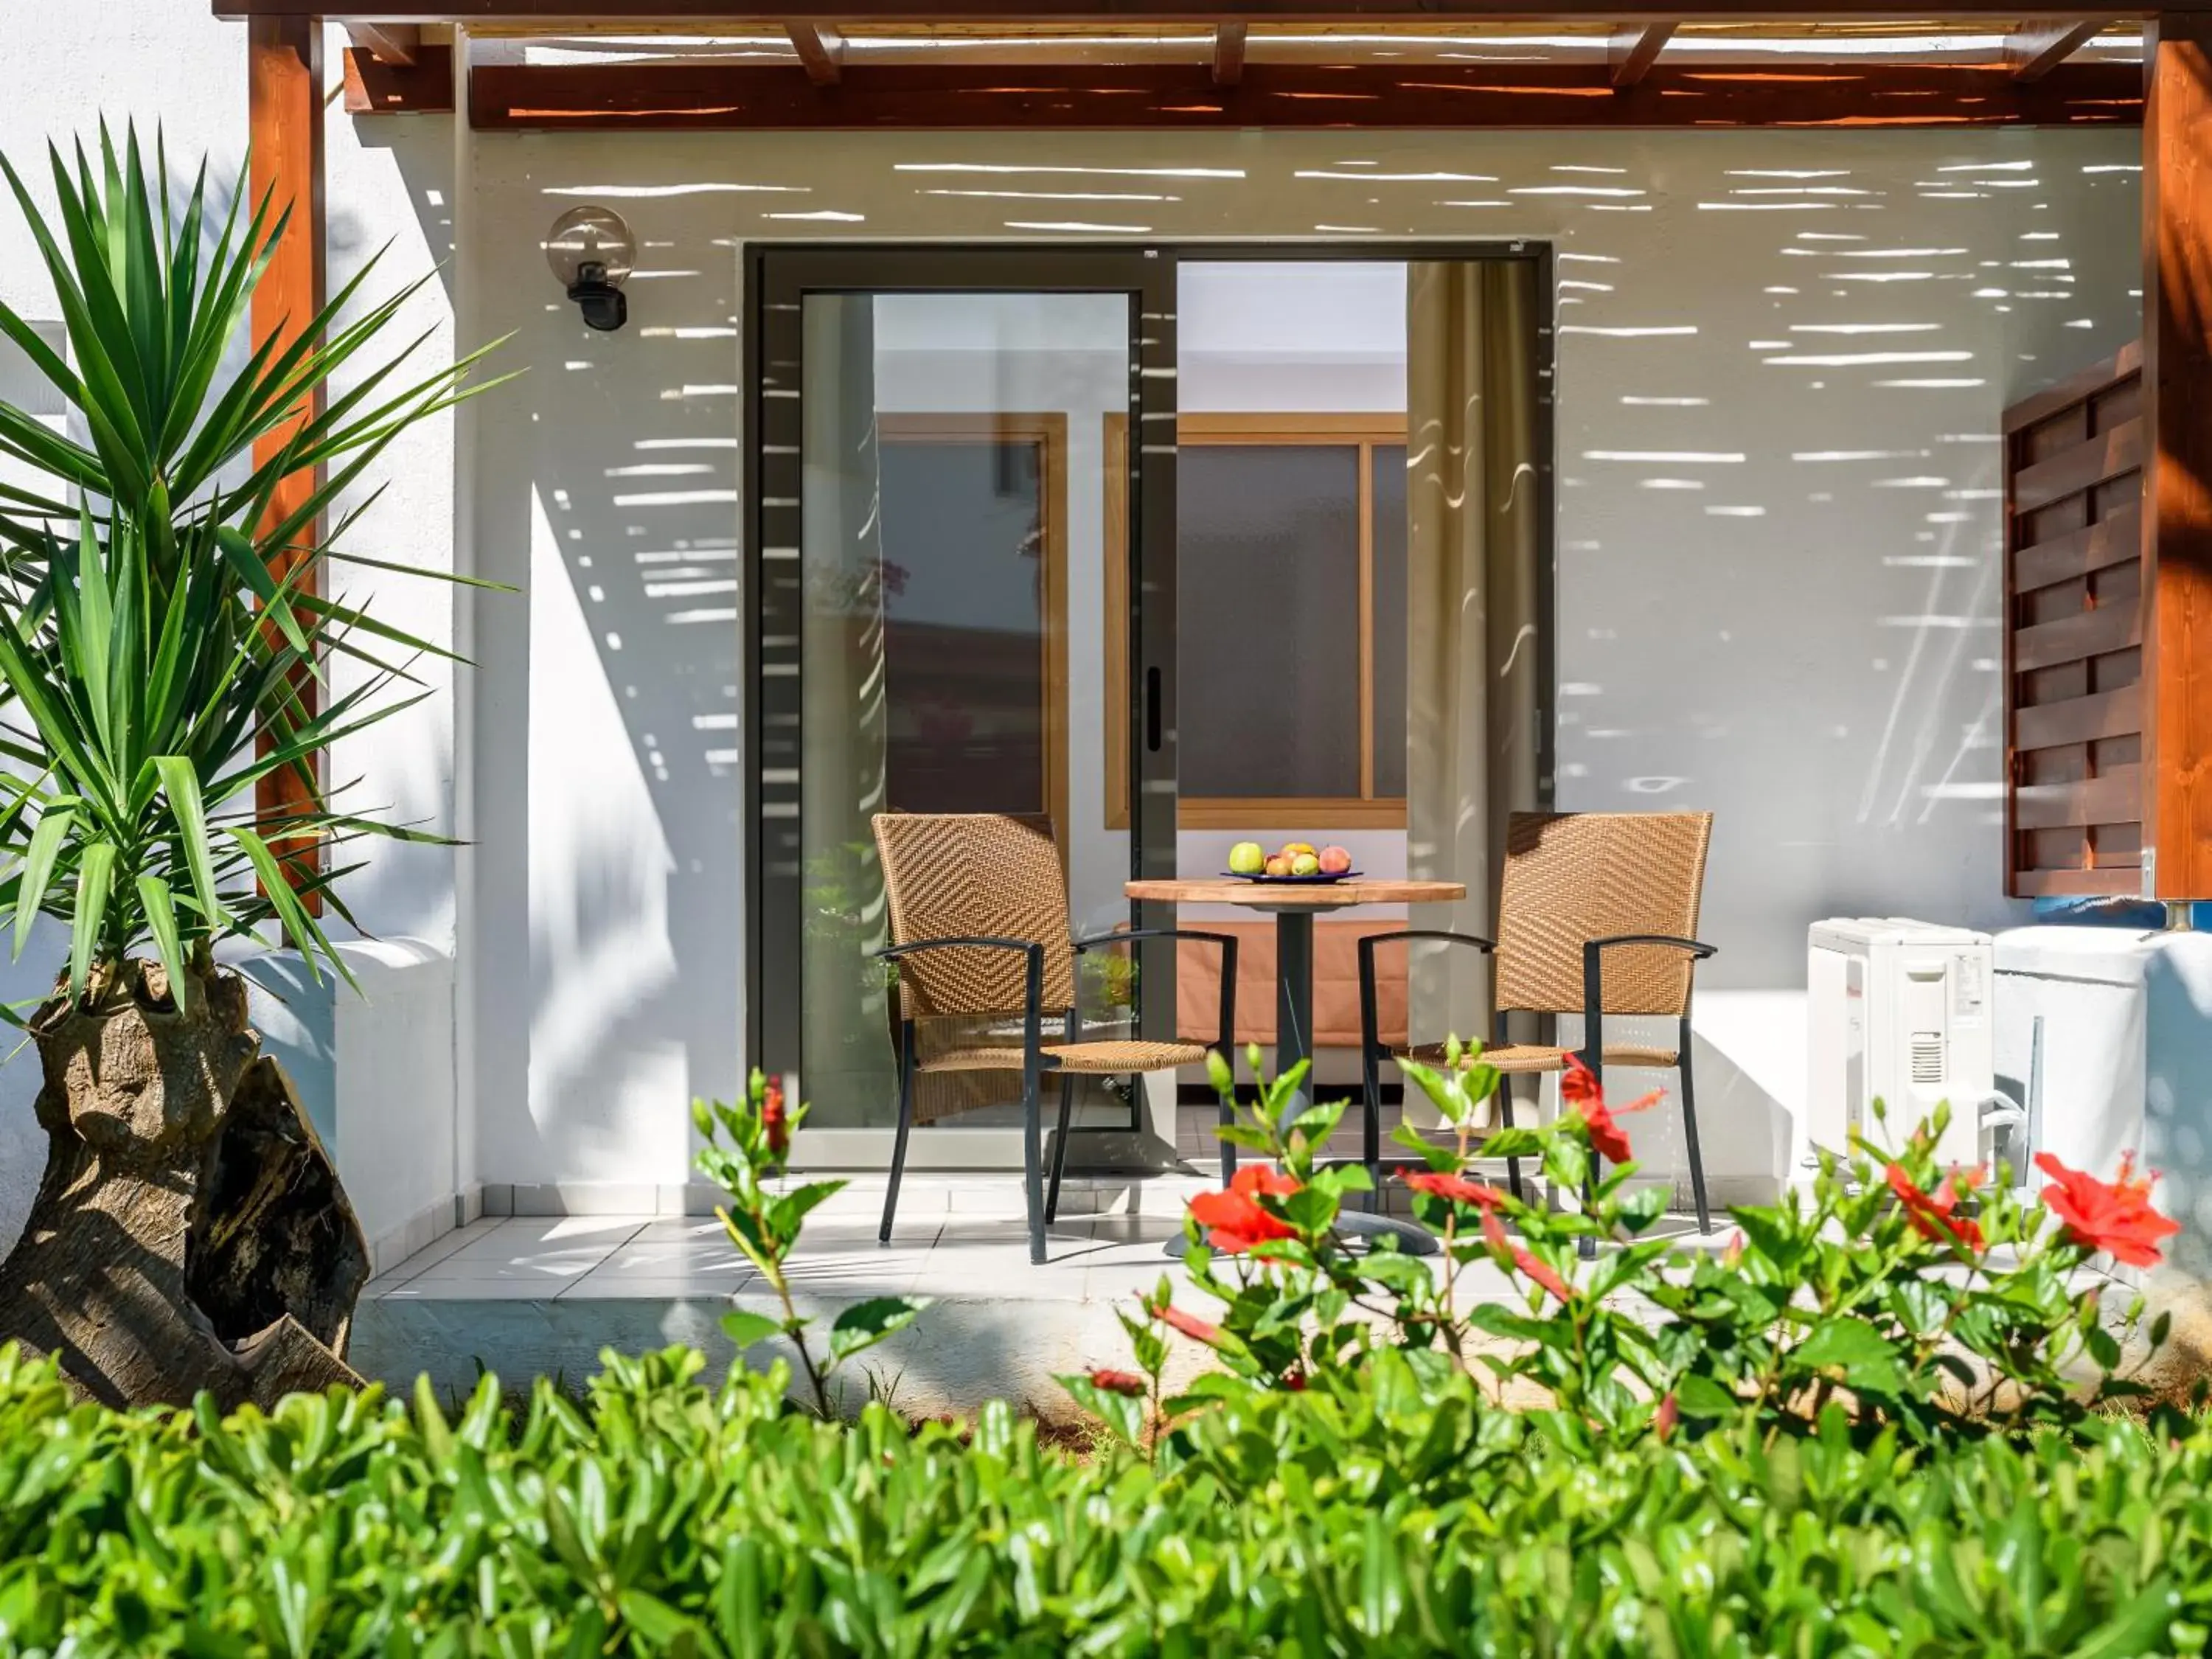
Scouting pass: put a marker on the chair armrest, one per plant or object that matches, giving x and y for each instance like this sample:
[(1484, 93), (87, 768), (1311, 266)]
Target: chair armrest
[(1126, 933), (1593, 1051), (1033, 984), (1371, 1018), (1693, 947), (1227, 944), (974, 942)]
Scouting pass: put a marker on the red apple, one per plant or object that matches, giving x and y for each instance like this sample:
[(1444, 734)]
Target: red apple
[(1335, 861)]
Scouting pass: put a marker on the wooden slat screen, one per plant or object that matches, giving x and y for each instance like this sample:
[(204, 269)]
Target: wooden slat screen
[(2074, 628)]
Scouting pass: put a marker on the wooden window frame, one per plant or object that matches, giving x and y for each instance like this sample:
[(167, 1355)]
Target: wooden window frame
[(1362, 432), (1049, 432)]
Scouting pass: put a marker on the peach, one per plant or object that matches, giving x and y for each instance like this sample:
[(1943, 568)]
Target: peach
[(1278, 865), (1335, 861)]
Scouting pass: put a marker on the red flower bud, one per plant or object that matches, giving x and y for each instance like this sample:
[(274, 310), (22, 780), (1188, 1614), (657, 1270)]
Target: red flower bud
[(773, 1120), (1664, 1419), (1113, 1382), (1193, 1327), (1443, 1183), (1542, 1274), (1932, 1218)]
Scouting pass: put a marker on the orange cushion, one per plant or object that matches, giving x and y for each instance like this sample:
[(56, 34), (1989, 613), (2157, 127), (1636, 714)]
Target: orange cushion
[(1336, 983)]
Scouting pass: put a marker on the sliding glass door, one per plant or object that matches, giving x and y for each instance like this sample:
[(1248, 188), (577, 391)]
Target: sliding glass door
[(946, 509)]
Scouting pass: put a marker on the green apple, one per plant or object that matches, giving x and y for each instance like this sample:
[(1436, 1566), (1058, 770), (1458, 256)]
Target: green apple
[(1247, 858)]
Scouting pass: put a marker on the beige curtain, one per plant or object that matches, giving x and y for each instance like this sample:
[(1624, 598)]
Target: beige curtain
[(1471, 625)]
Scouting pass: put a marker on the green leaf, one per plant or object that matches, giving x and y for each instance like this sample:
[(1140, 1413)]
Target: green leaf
[(53, 827), (95, 878), (1696, 1396), (1870, 1361), (865, 1323), (298, 927), (161, 920), (182, 786), (746, 1329)]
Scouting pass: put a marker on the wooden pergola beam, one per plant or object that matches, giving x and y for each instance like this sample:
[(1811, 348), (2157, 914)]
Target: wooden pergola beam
[(1634, 51), (388, 43), (821, 50), (726, 96), (424, 87), (284, 124), (2177, 492), (1229, 52), (2033, 51), (556, 14)]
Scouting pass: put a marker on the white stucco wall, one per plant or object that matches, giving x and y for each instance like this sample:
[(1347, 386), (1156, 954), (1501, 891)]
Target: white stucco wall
[(1777, 577), (1781, 360)]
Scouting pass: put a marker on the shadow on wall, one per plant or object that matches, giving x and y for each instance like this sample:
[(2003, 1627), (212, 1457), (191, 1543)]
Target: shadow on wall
[(2177, 1094), (608, 788)]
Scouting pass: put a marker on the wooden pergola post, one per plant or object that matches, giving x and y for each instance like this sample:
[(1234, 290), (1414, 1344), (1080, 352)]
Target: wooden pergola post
[(2177, 369), (284, 100)]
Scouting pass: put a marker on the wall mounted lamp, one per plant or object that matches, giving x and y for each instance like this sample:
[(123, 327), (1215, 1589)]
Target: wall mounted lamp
[(593, 252)]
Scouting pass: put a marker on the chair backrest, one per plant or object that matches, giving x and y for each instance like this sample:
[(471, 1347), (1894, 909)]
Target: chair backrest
[(950, 875), (1574, 877)]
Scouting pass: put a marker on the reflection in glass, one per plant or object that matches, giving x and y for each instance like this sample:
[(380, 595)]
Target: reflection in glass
[(934, 570), (1268, 539), (965, 623)]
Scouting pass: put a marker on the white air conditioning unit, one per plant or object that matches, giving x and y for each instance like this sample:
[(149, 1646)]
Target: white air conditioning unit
[(1900, 1013)]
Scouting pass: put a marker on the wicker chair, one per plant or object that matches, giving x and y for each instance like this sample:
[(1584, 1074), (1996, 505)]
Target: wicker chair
[(980, 931), (1598, 915)]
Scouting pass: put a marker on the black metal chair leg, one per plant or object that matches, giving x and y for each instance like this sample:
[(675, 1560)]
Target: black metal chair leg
[(1505, 1117), (1689, 1134), (1059, 1145), (905, 1123), (1371, 1141), (1228, 1116), (1032, 1175)]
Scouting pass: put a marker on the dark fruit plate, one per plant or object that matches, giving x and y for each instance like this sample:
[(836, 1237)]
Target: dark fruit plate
[(1295, 881)]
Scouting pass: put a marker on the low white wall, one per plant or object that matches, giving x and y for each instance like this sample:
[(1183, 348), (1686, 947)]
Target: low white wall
[(374, 1069)]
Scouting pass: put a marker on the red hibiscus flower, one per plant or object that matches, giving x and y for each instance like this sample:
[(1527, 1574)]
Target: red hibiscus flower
[(2114, 1217), (1234, 1219), (775, 1120), (1581, 1090), (1113, 1382), (1443, 1183), (1933, 1218), (1542, 1274), (1193, 1327)]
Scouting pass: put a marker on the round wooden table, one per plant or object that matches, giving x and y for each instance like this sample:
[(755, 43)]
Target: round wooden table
[(1294, 905)]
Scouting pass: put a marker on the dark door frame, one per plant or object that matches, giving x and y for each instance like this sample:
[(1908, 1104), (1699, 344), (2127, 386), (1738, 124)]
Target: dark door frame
[(776, 277)]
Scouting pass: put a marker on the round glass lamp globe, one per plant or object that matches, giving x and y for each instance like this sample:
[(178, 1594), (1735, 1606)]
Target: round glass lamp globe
[(591, 236)]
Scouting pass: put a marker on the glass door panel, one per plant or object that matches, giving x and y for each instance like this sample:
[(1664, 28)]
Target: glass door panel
[(949, 528)]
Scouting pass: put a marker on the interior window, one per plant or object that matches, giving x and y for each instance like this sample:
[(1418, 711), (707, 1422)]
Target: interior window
[(1291, 567)]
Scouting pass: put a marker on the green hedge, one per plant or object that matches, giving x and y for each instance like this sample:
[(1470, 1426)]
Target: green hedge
[(1398, 1519)]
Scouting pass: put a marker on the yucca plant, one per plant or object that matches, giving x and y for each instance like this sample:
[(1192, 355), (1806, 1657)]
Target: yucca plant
[(164, 623)]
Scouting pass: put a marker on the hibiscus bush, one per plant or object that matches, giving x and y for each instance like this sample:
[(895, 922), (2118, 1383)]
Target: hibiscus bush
[(1926, 1300), (748, 1146)]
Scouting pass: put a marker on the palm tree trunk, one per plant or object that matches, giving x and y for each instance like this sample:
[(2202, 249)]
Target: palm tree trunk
[(189, 1232)]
